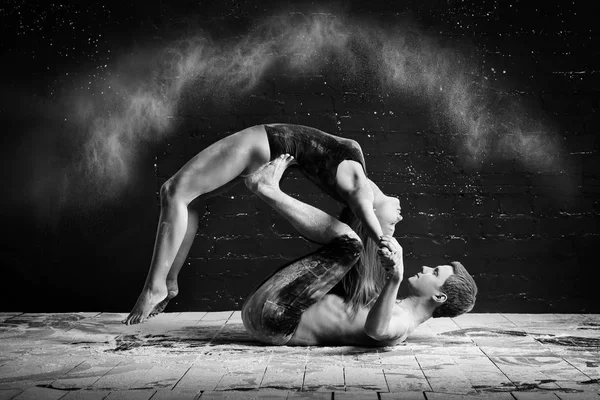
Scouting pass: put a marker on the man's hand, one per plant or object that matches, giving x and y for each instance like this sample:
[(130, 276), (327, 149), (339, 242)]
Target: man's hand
[(390, 253)]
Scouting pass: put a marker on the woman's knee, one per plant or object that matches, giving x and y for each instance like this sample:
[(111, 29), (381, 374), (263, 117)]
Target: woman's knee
[(171, 192), (168, 192)]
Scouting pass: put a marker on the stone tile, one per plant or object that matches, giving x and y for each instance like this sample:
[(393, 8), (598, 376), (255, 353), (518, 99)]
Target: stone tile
[(157, 325), (444, 375), (38, 393), (591, 320), (215, 318), (578, 396), (439, 325), (7, 315), (483, 374), (243, 373), (87, 373), (569, 378), (30, 371), (502, 345), (587, 364), (526, 372), (355, 396), (200, 377), (472, 320), (164, 374), (570, 319), (235, 318), (245, 395), (324, 370), (361, 356), (233, 334), (126, 375), (284, 373), (131, 394), (535, 396), (368, 378), (403, 373), (543, 320), (487, 396), (7, 394), (408, 395), (310, 396), (168, 394), (11, 352), (86, 395), (191, 316), (112, 317), (459, 351)]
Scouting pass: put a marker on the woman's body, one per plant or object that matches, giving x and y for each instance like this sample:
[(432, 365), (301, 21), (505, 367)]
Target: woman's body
[(334, 164)]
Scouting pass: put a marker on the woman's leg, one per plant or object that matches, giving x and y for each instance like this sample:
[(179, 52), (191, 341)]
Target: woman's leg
[(241, 153), (188, 240), (273, 311), (312, 223), (172, 276)]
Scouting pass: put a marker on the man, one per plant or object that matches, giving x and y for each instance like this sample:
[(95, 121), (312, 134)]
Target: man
[(299, 304)]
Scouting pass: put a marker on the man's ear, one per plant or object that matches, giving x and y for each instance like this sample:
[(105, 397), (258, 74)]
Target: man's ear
[(439, 298)]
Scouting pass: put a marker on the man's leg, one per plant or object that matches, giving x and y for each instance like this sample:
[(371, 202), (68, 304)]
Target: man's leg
[(273, 311)]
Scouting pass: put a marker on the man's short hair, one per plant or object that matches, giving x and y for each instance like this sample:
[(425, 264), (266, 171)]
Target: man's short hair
[(461, 291)]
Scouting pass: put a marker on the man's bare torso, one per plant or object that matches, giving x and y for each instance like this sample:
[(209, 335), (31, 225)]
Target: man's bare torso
[(330, 322)]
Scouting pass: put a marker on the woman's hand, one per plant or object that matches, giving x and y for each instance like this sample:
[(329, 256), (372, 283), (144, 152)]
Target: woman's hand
[(390, 253)]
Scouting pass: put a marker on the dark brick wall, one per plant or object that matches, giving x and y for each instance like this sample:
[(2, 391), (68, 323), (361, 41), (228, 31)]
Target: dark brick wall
[(527, 233), (527, 236)]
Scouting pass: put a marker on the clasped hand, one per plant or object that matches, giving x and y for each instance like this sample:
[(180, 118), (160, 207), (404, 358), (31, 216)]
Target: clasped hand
[(390, 253)]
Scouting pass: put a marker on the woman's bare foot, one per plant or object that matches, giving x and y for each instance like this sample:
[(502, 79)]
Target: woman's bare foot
[(268, 176), (147, 301), (172, 292)]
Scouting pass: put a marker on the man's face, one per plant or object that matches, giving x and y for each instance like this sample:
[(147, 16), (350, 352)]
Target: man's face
[(428, 282)]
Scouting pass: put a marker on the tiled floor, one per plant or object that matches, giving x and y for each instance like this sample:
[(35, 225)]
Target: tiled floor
[(210, 356)]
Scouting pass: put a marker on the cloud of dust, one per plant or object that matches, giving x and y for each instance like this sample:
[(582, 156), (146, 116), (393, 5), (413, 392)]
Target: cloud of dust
[(142, 93)]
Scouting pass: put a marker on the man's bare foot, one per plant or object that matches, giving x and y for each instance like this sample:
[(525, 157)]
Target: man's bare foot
[(147, 301), (269, 175), (173, 291)]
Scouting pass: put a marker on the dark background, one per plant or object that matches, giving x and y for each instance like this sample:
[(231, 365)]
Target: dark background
[(523, 220)]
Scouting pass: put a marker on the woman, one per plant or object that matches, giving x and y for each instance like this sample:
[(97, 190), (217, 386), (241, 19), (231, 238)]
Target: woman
[(335, 164)]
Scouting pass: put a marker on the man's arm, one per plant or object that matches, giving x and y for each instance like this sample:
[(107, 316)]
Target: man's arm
[(380, 323), (355, 187)]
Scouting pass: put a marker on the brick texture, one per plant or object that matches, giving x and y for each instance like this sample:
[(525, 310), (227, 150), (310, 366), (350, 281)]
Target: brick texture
[(529, 237)]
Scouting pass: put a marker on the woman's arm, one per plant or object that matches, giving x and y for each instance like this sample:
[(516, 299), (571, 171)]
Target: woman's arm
[(309, 221), (357, 191), (380, 324)]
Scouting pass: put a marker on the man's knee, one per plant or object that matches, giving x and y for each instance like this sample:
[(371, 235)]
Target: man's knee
[(345, 247)]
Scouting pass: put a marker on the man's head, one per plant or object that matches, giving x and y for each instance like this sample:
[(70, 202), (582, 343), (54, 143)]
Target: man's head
[(450, 287)]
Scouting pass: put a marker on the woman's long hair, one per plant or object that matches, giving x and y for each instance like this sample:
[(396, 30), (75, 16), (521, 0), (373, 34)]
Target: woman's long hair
[(363, 283)]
